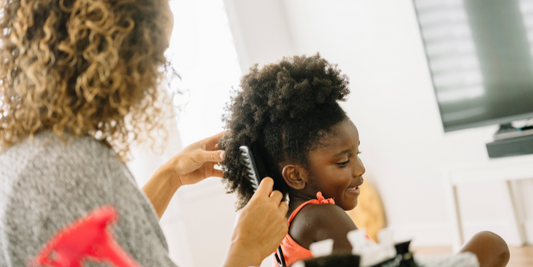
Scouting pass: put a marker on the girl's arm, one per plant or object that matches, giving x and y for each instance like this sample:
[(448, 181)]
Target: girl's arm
[(323, 221)]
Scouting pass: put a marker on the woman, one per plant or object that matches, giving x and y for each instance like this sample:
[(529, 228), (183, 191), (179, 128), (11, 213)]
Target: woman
[(78, 85)]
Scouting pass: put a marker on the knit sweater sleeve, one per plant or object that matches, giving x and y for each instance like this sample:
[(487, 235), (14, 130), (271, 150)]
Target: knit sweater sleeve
[(49, 185)]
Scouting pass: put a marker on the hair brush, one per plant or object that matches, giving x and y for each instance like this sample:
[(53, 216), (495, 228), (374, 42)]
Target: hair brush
[(253, 174), (255, 179)]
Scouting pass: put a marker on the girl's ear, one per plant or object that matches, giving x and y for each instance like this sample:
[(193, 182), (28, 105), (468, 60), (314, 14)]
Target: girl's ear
[(294, 176)]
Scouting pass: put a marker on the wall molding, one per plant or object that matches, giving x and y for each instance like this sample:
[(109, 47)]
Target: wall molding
[(440, 234)]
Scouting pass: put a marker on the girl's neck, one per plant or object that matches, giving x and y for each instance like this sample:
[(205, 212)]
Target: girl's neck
[(297, 199)]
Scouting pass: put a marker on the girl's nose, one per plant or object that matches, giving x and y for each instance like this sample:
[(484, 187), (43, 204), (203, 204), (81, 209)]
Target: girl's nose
[(360, 168)]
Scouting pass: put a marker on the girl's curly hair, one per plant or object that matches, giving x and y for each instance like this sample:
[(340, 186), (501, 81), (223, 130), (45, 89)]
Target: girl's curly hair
[(86, 67), (282, 113)]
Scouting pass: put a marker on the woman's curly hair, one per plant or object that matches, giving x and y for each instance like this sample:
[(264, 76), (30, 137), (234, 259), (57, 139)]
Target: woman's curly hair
[(85, 67), (282, 113)]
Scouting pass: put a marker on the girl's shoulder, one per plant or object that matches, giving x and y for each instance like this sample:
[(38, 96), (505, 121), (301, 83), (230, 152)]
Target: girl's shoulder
[(319, 222)]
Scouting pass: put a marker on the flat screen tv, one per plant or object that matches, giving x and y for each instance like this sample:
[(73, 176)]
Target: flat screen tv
[(479, 54)]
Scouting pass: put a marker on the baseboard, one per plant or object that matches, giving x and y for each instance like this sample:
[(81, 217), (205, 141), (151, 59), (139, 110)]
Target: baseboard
[(500, 227), (440, 234)]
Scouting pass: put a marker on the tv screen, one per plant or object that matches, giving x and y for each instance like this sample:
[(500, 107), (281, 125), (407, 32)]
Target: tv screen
[(479, 54)]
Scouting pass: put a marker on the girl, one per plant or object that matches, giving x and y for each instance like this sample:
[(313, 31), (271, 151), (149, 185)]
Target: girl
[(289, 116)]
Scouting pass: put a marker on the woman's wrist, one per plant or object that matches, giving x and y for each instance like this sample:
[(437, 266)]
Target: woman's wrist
[(240, 255), (161, 187), (168, 175)]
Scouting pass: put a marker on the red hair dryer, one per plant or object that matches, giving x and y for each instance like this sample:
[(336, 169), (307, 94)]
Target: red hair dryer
[(88, 239)]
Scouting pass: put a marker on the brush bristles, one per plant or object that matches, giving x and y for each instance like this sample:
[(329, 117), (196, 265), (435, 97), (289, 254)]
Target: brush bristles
[(249, 165)]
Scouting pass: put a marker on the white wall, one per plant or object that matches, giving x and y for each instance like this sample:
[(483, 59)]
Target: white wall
[(377, 44), (260, 31)]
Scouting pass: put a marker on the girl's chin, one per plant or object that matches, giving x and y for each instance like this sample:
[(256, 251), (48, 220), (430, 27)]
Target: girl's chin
[(349, 206)]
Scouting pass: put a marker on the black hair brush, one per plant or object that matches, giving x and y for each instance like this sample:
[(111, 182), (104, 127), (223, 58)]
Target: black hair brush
[(253, 174), (255, 179)]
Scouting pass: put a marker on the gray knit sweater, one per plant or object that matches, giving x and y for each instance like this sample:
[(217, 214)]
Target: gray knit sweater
[(46, 185)]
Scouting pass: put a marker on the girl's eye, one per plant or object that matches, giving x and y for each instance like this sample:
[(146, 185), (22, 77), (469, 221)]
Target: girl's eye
[(343, 164)]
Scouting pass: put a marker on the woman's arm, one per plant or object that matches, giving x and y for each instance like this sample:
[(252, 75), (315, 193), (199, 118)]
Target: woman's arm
[(192, 165), (261, 225)]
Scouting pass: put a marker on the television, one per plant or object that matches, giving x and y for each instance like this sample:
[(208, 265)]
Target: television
[(479, 54)]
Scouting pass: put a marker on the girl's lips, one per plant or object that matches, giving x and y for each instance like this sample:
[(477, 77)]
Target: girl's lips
[(353, 190)]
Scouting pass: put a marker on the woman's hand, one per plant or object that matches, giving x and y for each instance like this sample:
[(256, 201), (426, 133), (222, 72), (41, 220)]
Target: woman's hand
[(197, 161), (260, 228), (192, 165)]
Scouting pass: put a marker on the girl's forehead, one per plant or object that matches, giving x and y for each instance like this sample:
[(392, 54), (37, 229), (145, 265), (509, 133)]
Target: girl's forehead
[(342, 136)]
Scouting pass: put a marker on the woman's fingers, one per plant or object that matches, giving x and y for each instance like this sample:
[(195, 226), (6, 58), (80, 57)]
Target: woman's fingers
[(284, 207), (203, 156), (276, 196), (210, 142), (262, 224), (264, 189), (208, 155)]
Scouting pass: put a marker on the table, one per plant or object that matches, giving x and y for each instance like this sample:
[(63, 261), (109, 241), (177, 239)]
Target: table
[(505, 170)]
